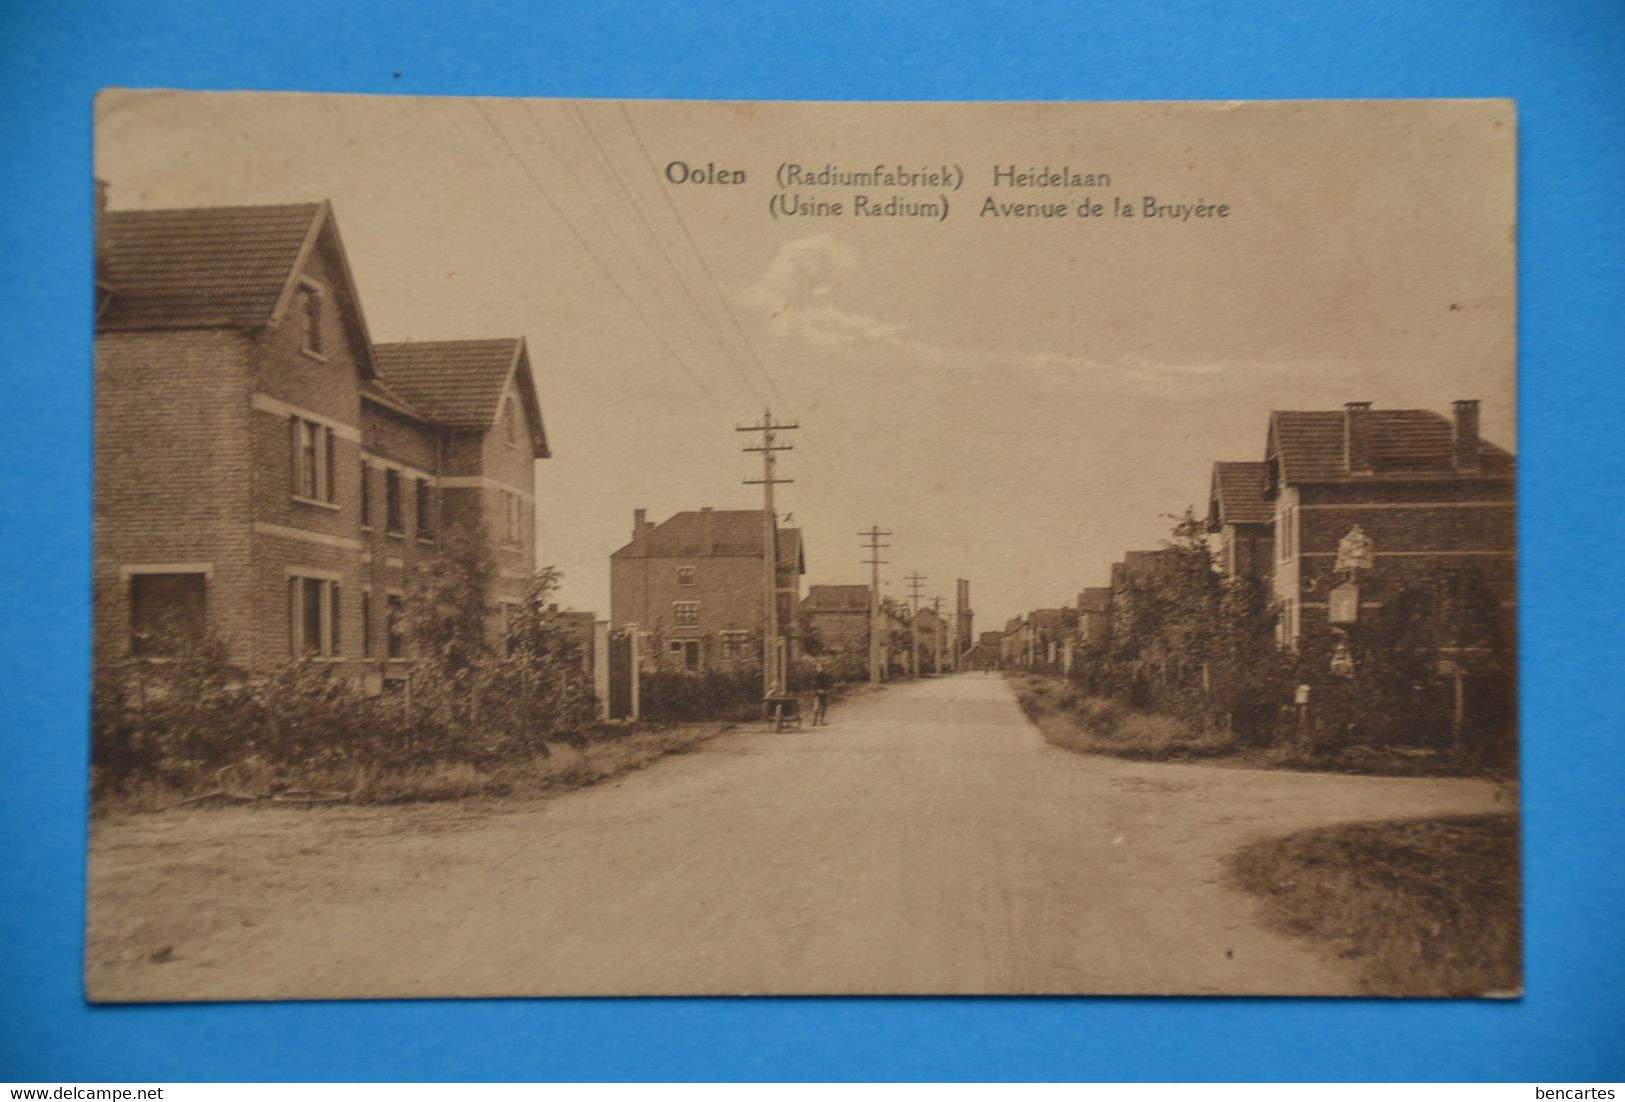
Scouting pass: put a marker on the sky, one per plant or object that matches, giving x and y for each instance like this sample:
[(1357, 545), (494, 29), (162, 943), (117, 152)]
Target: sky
[(1019, 400)]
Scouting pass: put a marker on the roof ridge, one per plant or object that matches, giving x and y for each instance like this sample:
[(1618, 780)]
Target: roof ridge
[(136, 211)]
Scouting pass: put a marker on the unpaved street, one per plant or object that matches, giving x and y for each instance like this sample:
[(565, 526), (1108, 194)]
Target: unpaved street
[(927, 841)]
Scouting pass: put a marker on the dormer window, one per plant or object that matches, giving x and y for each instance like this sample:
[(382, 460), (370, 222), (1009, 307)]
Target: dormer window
[(310, 319)]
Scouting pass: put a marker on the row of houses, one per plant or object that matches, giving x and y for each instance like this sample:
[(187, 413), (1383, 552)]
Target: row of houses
[(1345, 512), (269, 476), (691, 588)]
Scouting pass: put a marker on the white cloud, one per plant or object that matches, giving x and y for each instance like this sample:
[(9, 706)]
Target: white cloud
[(798, 299)]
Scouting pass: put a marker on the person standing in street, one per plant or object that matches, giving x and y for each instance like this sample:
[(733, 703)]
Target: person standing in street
[(823, 683)]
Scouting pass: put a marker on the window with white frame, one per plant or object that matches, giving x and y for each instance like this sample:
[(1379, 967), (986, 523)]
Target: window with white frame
[(1286, 532), (513, 510), (312, 459), (685, 575), (685, 614), (733, 645), (394, 514), (425, 510), (395, 623), (310, 319), (1283, 629), (313, 616)]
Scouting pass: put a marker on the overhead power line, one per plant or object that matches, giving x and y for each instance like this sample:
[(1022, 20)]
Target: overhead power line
[(591, 252)]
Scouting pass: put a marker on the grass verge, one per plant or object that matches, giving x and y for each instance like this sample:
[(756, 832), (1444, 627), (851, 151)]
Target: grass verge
[(609, 753), (1424, 907), (1096, 725), (1092, 725)]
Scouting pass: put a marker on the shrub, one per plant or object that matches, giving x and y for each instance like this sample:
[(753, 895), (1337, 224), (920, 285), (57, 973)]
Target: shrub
[(672, 696)]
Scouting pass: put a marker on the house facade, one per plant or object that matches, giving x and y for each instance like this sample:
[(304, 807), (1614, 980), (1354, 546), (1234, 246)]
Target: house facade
[(693, 584), (1240, 520), (259, 479), (838, 615), (1094, 615), (1427, 492), (984, 654)]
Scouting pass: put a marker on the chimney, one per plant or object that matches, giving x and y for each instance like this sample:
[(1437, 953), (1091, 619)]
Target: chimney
[(1355, 459), (1465, 450), (639, 525), (707, 531)]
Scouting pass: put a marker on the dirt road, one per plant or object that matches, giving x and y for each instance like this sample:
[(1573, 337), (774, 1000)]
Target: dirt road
[(928, 840)]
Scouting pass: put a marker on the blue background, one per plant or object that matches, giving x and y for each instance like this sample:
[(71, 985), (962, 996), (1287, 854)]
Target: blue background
[(1562, 61)]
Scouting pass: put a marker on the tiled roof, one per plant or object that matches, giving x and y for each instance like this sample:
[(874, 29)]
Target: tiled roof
[(457, 383), (790, 549), (1095, 600), (1238, 488), (836, 598), (733, 532), (385, 395), (1138, 566), (1310, 444), (207, 266)]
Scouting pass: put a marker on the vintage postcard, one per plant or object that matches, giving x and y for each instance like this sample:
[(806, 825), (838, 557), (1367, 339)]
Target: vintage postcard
[(703, 548)]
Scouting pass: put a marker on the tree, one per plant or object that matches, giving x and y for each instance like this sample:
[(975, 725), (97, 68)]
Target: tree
[(448, 618), (545, 681)]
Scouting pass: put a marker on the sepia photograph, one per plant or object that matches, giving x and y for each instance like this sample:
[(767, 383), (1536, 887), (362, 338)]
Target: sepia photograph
[(667, 548)]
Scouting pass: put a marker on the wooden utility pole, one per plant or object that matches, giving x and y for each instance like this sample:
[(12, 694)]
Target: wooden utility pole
[(914, 582), (875, 562), (770, 551)]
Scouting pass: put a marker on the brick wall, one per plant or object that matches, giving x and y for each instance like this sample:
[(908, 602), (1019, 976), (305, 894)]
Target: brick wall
[(171, 473), (407, 446), (195, 465), (842, 630), (728, 588), (289, 532), (1418, 529)]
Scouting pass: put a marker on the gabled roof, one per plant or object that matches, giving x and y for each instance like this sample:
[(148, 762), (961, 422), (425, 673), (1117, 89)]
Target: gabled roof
[(836, 598), (1138, 566), (1095, 599), (376, 390), (1238, 495), (215, 267), (790, 549), (1310, 444), (460, 383), (733, 532)]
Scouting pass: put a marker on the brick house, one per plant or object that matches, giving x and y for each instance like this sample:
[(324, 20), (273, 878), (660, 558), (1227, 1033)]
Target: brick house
[(1094, 614), (1427, 490), (935, 637), (984, 654), (1240, 519), (1012, 643), (259, 478), (839, 616), (694, 583), (480, 397)]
